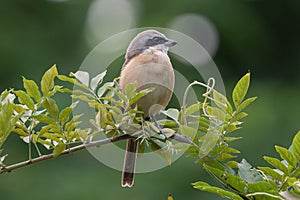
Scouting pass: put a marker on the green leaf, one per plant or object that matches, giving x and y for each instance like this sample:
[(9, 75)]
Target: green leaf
[(189, 132), (32, 89), (51, 107), (234, 181), (104, 88), (271, 172), (247, 173), (139, 95), (45, 119), (193, 109), (58, 149), (296, 146), (172, 113), (240, 90), (66, 78), (265, 190), (224, 193), (64, 115), (47, 82), (285, 154), (210, 140), (245, 103), (221, 101), (97, 80), (24, 98), (130, 89), (238, 117), (277, 164)]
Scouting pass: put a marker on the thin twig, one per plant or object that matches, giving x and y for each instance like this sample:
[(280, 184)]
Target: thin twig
[(67, 151)]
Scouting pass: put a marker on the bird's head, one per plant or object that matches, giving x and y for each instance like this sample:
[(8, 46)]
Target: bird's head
[(149, 39)]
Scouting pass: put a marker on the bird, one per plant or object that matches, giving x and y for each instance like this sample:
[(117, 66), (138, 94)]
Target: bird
[(148, 64)]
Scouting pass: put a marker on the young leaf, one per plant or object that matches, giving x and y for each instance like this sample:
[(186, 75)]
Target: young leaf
[(97, 80), (64, 115), (240, 90), (104, 88), (296, 146), (210, 140), (32, 89), (277, 164), (285, 154), (47, 82), (245, 103), (271, 172), (51, 107), (58, 149), (189, 132), (130, 89), (172, 113), (220, 100), (24, 98)]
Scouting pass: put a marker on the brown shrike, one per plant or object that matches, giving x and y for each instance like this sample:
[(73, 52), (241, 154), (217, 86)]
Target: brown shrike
[(148, 64)]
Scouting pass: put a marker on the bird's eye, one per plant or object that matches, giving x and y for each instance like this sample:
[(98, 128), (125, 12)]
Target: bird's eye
[(156, 39)]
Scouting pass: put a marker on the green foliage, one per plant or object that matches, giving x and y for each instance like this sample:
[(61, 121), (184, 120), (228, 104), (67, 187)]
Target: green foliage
[(203, 130)]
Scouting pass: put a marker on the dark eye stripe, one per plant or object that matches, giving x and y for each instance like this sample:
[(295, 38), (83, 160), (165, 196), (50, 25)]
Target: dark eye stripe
[(155, 40)]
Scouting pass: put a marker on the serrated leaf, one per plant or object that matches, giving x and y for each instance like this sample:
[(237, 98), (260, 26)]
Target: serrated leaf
[(51, 107), (32, 89), (247, 173), (47, 82), (97, 80), (224, 193), (285, 154), (245, 103), (240, 90), (277, 164), (270, 172), (296, 146), (24, 98), (58, 149)]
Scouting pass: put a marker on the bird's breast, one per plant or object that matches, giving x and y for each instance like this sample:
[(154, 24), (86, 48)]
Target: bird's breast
[(151, 69)]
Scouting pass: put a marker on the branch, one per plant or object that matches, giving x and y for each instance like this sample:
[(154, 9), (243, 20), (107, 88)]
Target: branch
[(67, 151), (178, 137)]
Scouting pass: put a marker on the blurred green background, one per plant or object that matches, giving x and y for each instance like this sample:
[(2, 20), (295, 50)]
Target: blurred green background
[(260, 35)]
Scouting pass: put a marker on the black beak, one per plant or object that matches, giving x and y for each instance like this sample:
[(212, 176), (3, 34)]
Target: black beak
[(170, 43)]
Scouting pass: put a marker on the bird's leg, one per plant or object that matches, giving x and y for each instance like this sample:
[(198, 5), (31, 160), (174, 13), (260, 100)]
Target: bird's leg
[(158, 127)]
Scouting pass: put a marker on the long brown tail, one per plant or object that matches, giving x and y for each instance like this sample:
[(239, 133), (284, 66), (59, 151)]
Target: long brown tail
[(129, 163)]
